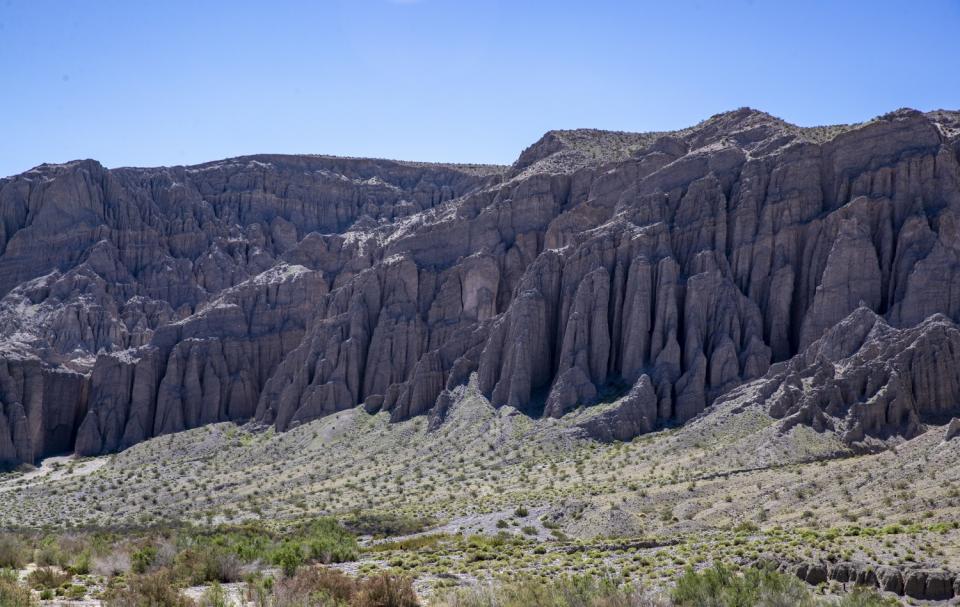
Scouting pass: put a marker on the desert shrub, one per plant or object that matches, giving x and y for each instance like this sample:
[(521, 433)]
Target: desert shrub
[(747, 527), (48, 553), (81, 563), (386, 524), (289, 557), (204, 564), (719, 586), (385, 590), (314, 586), (322, 540), (12, 552), (12, 594), (142, 559), (250, 542), (866, 597), (328, 542), (154, 590), (322, 587), (575, 591), (259, 591), (71, 552), (47, 577), (214, 596)]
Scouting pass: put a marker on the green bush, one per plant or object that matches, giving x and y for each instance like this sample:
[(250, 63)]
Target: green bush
[(289, 557), (322, 540), (13, 594), (250, 542), (75, 592), (47, 577), (719, 586), (48, 553), (566, 591), (155, 590), (328, 542), (81, 563), (386, 524), (142, 559)]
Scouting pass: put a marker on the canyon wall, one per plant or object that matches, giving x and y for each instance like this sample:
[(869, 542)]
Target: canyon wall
[(669, 267)]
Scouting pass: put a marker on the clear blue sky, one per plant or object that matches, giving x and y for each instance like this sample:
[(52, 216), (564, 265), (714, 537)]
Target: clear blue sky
[(168, 82)]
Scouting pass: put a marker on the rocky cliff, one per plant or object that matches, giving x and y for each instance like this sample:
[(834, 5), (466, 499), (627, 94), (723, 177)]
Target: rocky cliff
[(670, 267)]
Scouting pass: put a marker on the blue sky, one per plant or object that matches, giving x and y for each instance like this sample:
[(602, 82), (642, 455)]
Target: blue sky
[(150, 83)]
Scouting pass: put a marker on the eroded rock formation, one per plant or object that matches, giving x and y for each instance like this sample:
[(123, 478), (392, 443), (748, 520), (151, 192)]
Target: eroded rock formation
[(866, 378), (137, 302)]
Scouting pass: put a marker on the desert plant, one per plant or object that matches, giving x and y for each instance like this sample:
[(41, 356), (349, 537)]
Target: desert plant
[(12, 553), (47, 577), (314, 586), (572, 591), (207, 564), (214, 596), (385, 524), (141, 559), (12, 594), (154, 590), (720, 586), (289, 557), (328, 542), (385, 590), (866, 597), (259, 591)]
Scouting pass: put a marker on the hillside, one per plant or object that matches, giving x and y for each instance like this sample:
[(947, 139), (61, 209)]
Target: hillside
[(596, 373)]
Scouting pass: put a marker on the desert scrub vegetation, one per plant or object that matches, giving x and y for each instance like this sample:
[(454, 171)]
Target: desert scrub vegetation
[(149, 590), (386, 524), (721, 586), (12, 594), (322, 587), (564, 591), (715, 586), (13, 553), (149, 566)]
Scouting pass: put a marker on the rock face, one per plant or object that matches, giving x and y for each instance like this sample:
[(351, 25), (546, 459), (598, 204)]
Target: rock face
[(923, 584), (138, 302), (866, 378), (953, 430)]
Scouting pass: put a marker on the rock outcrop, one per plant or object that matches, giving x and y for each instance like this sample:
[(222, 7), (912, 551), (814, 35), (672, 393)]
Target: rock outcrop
[(916, 583), (953, 430), (865, 378), (138, 302)]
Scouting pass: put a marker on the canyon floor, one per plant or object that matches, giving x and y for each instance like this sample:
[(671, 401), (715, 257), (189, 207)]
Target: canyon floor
[(494, 493)]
